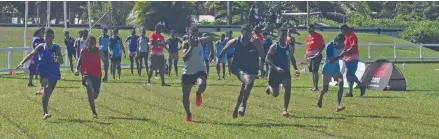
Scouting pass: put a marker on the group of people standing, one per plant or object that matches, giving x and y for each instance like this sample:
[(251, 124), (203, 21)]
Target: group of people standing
[(245, 55)]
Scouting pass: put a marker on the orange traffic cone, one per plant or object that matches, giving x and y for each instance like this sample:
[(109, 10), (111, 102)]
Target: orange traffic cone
[(14, 73)]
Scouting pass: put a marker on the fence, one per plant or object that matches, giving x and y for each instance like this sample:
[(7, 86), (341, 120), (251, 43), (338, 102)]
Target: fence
[(369, 58)]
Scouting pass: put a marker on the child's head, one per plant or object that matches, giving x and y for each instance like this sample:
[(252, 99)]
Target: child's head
[(223, 36), (133, 31), (115, 32), (339, 41), (91, 42), (66, 34), (84, 33), (105, 31), (173, 33), (143, 31), (49, 35)]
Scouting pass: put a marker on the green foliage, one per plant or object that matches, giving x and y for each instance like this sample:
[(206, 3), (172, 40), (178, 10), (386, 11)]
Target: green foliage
[(422, 32)]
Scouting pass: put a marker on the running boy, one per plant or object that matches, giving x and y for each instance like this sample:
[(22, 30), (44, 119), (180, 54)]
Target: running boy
[(89, 64), (50, 58), (331, 69), (278, 57)]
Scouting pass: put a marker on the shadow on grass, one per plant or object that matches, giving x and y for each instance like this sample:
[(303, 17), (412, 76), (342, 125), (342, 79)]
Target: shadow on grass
[(318, 117), (371, 116), (261, 124), (59, 121), (127, 118), (382, 97)]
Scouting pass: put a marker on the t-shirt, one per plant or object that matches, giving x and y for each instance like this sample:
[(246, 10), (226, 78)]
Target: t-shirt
[(104, 42), (69, 42), (144, 46), (331, 51), (173, 44), (313, 43), (350, 41), (116, 49), (157, 51)]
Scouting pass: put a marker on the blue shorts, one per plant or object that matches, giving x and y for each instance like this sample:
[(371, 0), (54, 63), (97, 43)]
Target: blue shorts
[(351, 68), (222, 60), (331, 68)]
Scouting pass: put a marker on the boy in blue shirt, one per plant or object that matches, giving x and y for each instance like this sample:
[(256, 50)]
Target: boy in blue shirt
[(104, 42), (267, 44), (331, 69)]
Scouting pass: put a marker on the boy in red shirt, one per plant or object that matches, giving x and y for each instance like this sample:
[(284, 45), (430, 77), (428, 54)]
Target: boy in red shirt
[(89, 64), (157, 44)]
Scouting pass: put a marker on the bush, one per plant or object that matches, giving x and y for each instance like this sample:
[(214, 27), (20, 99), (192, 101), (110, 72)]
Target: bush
[(422, 32)]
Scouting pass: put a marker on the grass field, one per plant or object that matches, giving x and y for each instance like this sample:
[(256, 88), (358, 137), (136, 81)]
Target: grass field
[(13, 37), (129, 108)]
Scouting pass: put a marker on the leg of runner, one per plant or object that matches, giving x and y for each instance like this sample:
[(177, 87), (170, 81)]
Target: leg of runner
[(31, 77), (340, 93), (119, 69), (146, 64), (70, 56), (170, 66), (202, 83), (186, 88), (229, 64), (218, 70), (139, 70), (287, 87), (175, 66), (113, 68), (91, 94), (239, 101), (248, 82), (136, 59), (224, 70), (106, 66), (326, 80), (162, 70), (49, 86), (132, 64), (206, 62)]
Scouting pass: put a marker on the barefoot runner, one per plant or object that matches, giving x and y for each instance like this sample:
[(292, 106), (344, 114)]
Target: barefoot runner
[(194, 70), (331, 69), (50, 58), (89, 64), (245, 64), (278, 57), (33, 71)]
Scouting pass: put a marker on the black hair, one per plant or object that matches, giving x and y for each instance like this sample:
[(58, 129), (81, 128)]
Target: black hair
[(104, 29), (193, 29), (66, 32), (345, 27), (37, 32), (91, 38), (222, 34), (49, 31), (246, 26), (115, 30), (157, 26)]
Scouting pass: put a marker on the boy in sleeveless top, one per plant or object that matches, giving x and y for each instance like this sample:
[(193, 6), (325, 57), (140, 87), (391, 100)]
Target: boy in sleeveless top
[(89, 64), (143, 51), (220, 44), (50, 58), (331, 69), (194, 70), (279, 57), (132, 46), (245, 64), (116, 46), (104, 43)]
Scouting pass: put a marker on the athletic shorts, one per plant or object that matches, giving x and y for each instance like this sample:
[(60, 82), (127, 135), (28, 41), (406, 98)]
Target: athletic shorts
[(191, 79), (240, 74), (157, 62), (275, 78), (143, 54), (351, 68), (173, 56), (314, 64), (33, 70), (105, 54), (52, 83), (327, 78), (331, 68), (133, 54), (95, 82), (116, 59)]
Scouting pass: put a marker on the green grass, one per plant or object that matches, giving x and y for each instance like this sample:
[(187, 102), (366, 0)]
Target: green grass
[(13, 37), (130, 109)]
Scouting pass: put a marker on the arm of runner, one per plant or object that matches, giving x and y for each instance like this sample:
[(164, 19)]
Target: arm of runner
[(59, 56), (269, 58), (33, 52), (186, 51)]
